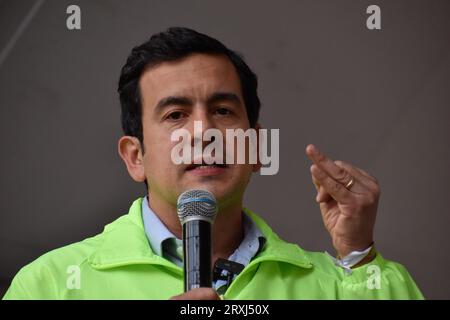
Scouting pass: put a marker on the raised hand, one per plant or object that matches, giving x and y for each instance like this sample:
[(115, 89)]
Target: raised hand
[(348, 200)]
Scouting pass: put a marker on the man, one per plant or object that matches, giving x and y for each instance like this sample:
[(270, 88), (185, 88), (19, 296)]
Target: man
[(176, 78)]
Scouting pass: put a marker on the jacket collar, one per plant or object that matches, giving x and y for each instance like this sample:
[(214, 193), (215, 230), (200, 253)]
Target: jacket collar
[(123, 242), (277, 249)]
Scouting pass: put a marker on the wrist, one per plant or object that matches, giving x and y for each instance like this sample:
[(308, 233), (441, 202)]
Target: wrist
[(355, 259), (344, 250)]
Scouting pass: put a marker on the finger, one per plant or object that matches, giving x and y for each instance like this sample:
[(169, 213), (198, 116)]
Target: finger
[(325, 164), (315, 182), (322, 195), (334, 188), (197, 294), (361, 171), (368, 181)]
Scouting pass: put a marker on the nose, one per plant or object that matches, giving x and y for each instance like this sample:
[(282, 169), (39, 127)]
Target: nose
[(201, 121), (202, 118)]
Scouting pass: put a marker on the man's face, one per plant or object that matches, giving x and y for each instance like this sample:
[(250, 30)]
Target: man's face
[(200, 87)]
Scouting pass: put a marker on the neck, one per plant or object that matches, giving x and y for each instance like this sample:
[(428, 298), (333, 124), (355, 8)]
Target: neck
[(227, 230)]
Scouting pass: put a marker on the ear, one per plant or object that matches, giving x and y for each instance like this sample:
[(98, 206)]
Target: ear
[(257, 166), (130, 151)]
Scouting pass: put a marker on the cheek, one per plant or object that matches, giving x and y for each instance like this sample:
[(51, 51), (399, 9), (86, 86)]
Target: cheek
[(157, 159), (157, 142)]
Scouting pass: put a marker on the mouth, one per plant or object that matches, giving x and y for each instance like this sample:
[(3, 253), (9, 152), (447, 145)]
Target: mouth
[(205, 169)]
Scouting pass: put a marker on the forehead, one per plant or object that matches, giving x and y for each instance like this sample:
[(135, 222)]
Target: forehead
[(196, 76)]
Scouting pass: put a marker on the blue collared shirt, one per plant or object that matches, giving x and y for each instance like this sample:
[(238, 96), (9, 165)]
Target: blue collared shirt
[(165, 244)]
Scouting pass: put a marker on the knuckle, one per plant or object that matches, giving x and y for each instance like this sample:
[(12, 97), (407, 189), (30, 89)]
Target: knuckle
[(370, 200), (377, 190), (336, 187), (342, 175)]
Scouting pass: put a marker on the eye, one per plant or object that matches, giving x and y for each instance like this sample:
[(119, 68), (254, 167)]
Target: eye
[(223, 111), (176, 115)]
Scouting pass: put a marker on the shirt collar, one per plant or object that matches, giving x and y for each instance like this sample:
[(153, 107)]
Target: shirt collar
[(161, 238), (155, 229), (252, 243)]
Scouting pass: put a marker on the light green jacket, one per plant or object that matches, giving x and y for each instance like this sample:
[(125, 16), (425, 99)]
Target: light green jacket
[(119, 264)]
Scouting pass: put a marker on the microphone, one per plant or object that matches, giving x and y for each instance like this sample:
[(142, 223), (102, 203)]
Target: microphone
[(197, 210)]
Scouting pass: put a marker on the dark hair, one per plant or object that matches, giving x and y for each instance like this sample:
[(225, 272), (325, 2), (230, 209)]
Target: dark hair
[(173, 44)]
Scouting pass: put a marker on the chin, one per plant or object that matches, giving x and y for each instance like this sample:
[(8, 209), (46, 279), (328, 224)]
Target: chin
[(227, 195), (219, 188)]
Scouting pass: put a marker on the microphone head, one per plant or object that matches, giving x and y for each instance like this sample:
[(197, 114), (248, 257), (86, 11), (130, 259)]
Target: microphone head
[(196, 205)]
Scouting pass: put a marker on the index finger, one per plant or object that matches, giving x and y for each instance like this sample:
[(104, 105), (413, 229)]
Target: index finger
[(323, 162)]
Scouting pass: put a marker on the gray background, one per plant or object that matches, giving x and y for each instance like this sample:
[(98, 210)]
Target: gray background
[(377, 99)]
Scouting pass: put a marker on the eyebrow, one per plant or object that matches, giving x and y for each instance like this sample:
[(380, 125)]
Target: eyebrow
[(185, 101), (172, 100), (224, 96)]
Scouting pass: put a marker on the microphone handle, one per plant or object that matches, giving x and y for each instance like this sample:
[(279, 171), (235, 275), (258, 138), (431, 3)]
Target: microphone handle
[(197, 254)]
